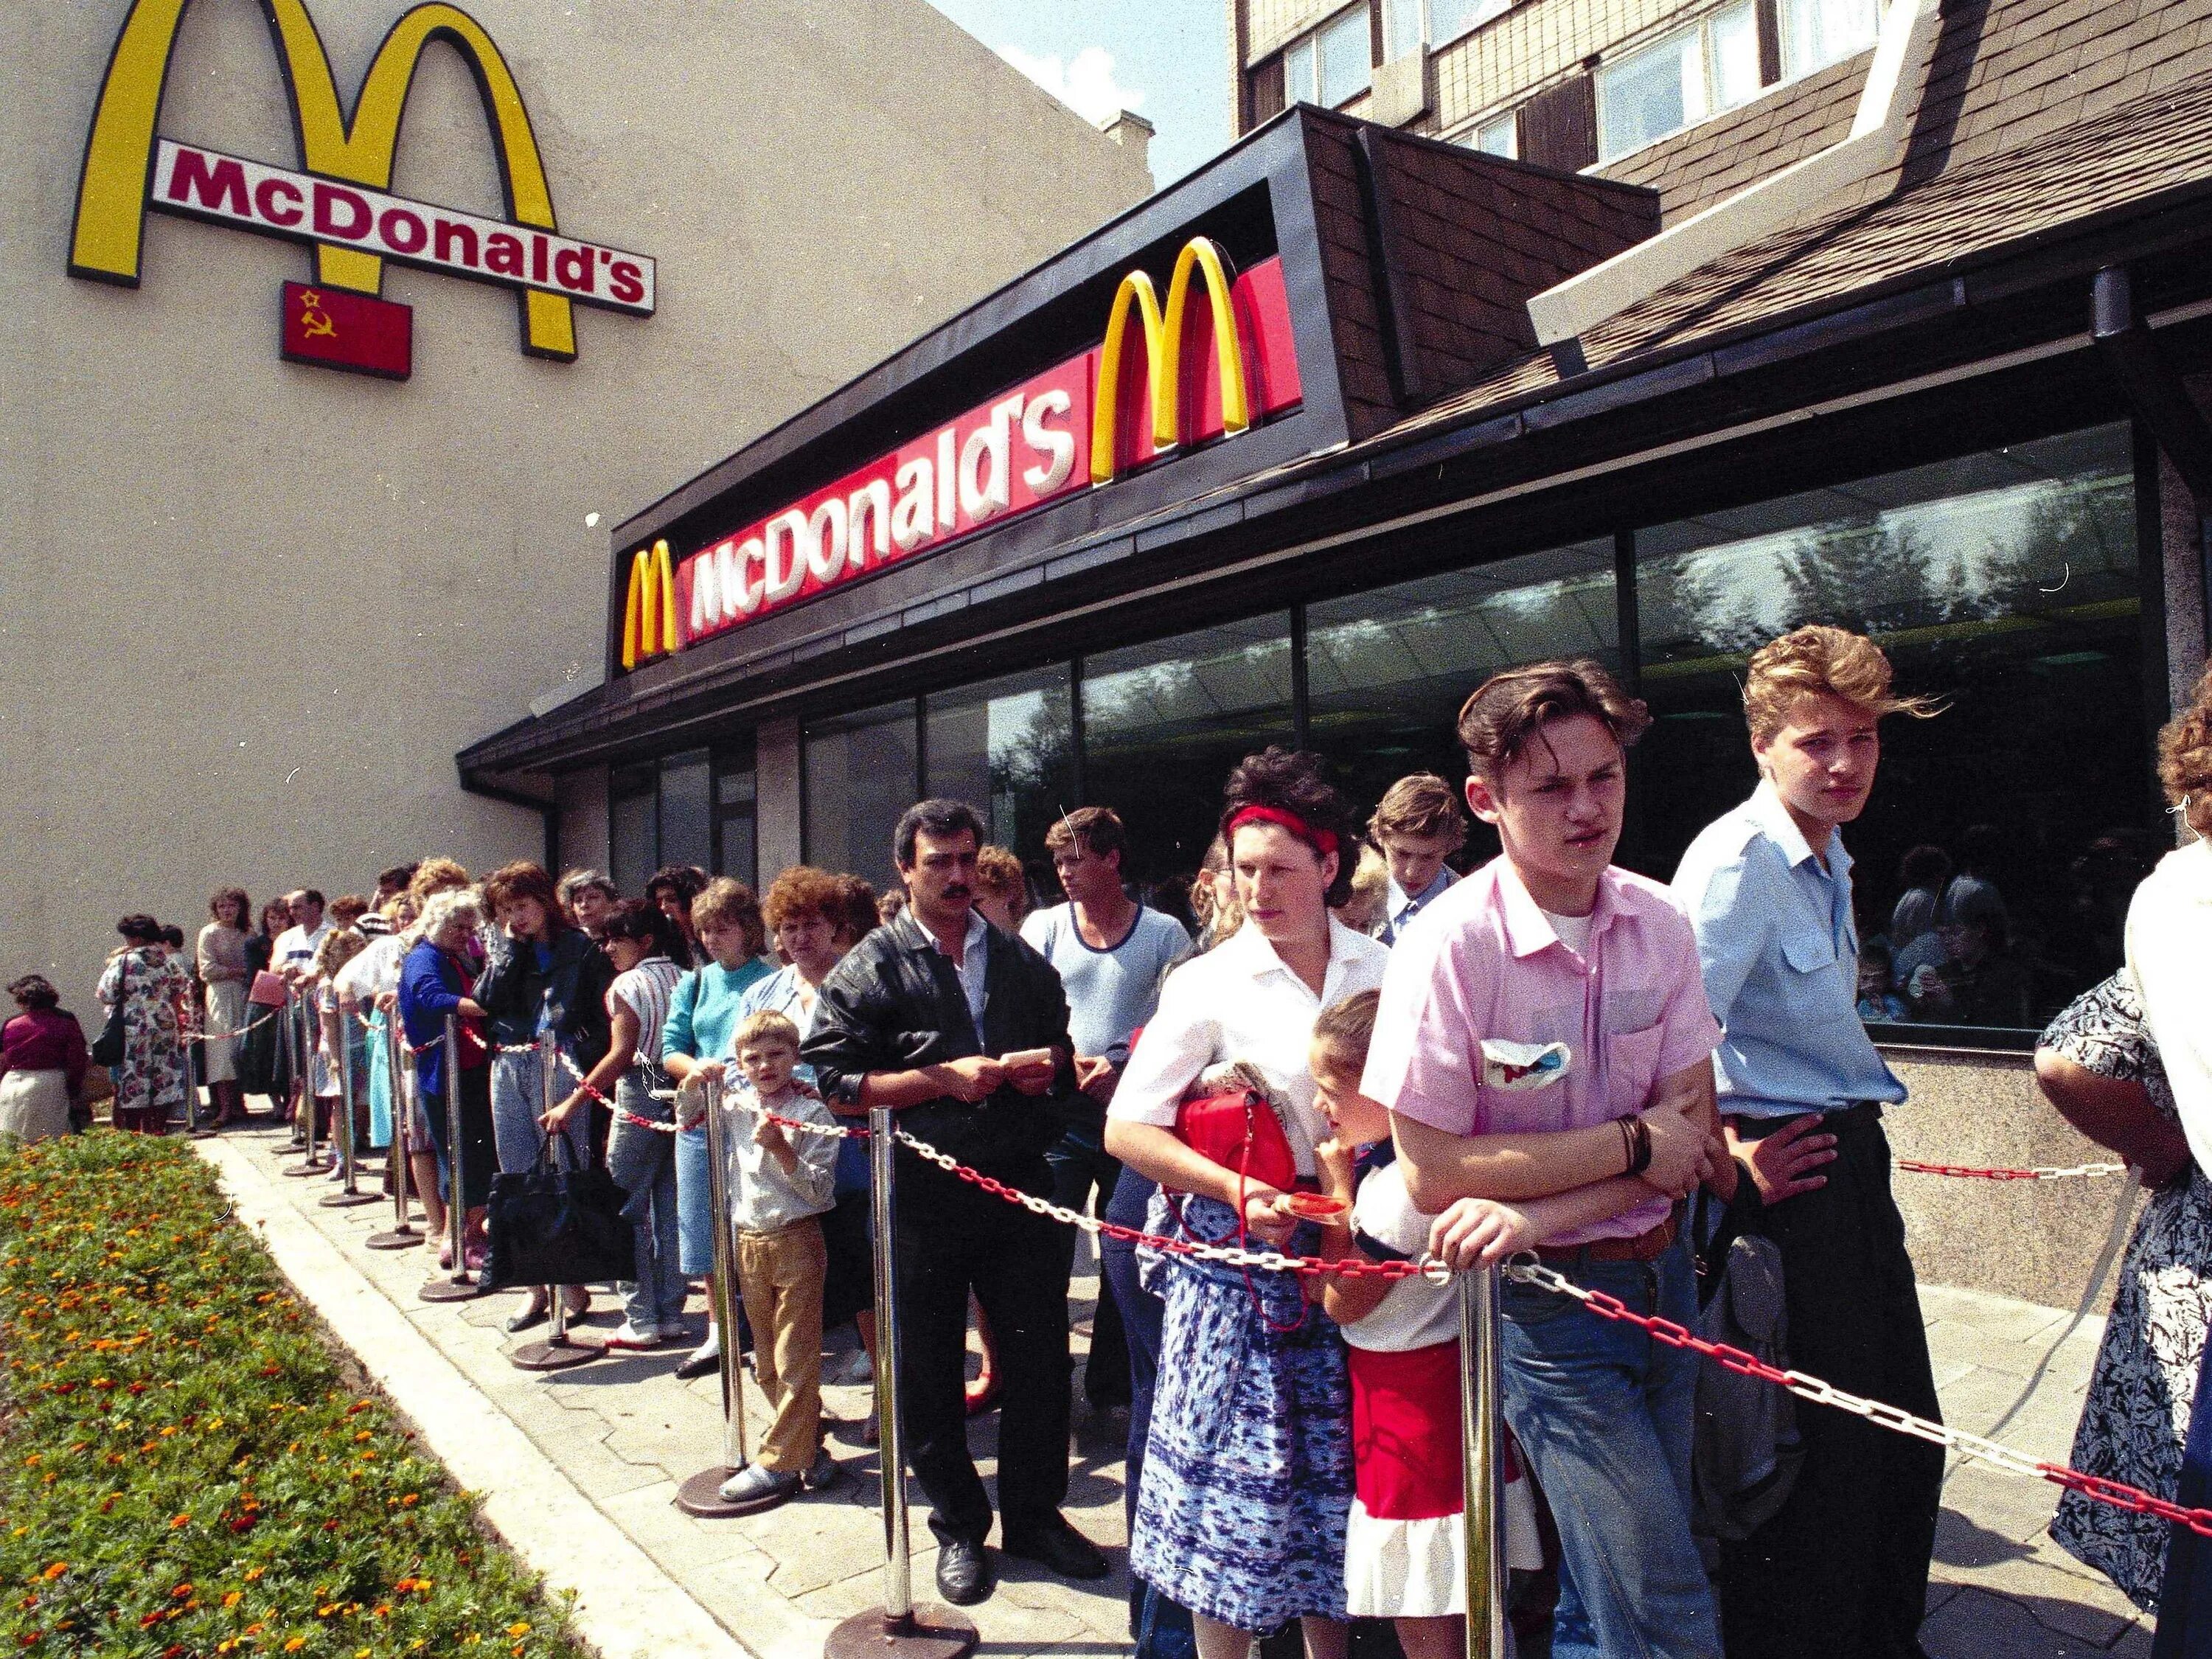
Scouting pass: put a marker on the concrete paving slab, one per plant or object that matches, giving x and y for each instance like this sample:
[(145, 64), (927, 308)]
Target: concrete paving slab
[(610, 1439)]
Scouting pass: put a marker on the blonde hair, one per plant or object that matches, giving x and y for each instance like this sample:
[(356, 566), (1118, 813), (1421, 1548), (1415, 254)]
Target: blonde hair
[(1421, 806), (2185, 758), (339, 946), (1370, 893), (436, 876), (1815, 659), (764, 1029), (726, 902)]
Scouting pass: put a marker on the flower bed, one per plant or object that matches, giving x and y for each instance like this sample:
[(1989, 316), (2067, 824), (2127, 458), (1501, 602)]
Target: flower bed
[(183, 1469)]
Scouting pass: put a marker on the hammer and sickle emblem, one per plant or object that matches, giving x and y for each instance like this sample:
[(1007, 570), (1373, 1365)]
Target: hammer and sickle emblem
[(313, 321)]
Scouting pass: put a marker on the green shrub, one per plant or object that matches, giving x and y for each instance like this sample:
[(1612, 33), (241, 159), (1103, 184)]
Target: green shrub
[(183, 1469)]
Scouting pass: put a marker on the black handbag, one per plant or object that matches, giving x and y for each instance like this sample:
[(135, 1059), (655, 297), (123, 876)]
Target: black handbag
[(557, 1224), (108, 1046)]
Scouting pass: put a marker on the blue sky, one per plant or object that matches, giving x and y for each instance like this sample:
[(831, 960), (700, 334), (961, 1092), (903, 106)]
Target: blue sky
[(1168, 60)]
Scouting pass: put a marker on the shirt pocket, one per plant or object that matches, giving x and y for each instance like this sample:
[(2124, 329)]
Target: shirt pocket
[(1631, 1067), (1807, 975)]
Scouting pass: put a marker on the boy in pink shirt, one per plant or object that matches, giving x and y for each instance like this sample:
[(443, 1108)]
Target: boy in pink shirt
[(1543, 1029)]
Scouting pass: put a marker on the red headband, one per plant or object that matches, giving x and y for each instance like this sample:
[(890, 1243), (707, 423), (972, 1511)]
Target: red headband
[(1323, 842)]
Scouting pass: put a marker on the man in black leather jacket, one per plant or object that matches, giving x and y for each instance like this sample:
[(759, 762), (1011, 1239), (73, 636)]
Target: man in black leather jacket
[(963, 1029)]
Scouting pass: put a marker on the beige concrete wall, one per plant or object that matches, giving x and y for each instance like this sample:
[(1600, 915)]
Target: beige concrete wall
[(2037, 1239), (249, 610)]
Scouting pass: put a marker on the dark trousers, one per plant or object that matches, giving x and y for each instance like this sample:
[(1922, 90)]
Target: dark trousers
[(1081, 1167), (953, 1239), (479, 1150), (2184, 1597), (1843, 1569)]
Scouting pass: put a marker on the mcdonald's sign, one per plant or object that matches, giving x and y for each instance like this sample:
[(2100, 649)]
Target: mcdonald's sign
[(649, 608), (1205, 372), (340, 203)]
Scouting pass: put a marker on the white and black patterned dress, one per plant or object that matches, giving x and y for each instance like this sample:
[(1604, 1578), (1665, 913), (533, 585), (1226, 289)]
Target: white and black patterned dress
[(2136, 1415)]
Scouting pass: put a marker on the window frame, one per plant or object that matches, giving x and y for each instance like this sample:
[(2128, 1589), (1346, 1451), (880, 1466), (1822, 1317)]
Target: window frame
[(1311, 43), (1698, 110)]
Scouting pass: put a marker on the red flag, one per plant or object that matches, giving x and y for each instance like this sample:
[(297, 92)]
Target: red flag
[(353, 331)]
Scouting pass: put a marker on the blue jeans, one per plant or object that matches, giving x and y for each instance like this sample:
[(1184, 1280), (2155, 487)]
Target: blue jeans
[(517, 1102), (1605, 1415), (643, 1163), (694, 1201)]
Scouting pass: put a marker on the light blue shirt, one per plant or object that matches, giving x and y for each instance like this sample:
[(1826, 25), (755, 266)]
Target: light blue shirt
[(1399, 907), (974, 963), (1780, 956), (1110, 992)]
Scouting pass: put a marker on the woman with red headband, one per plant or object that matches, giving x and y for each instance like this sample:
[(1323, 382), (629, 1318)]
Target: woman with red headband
[(1247, 1481)]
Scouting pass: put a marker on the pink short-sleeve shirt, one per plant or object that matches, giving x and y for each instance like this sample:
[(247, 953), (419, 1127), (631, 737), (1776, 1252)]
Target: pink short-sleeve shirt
[(1482, 968)]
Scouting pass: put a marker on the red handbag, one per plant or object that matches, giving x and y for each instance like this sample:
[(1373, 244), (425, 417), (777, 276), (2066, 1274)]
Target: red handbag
[(1240, 1131)]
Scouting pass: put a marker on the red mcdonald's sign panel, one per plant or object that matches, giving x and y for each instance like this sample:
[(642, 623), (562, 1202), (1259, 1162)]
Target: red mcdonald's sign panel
[(1216, 358), (338, 330)]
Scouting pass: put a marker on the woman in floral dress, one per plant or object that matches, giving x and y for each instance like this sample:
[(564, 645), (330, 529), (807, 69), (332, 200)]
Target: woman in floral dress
[(2097, 1064), (149, 985)]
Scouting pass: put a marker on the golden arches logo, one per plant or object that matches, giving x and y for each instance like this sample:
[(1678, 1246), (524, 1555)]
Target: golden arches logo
[(1164, 333), (649, 610), (106, 241)]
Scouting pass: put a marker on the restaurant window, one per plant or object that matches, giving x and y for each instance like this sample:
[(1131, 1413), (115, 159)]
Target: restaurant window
[(633, 833), (1007, 747), (1691, 74), (1386, 669), (1335, 63), (2006, 584), (859, 775), (687, 809), (1163, 723), (1818, 33), (737, 813)]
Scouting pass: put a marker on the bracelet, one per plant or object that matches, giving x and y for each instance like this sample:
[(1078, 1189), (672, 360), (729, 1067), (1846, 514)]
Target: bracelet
[(1640, 1158), (1627, 1147)]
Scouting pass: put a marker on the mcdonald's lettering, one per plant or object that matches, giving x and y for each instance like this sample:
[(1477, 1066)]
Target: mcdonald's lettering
[(339, 199), (649, 608), (1205, 372)]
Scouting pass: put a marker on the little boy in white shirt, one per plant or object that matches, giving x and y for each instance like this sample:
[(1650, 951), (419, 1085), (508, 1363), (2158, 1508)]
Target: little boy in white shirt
[(780, 1182)]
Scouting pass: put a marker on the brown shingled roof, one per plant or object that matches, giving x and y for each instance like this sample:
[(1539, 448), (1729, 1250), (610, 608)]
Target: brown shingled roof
[(2155, 146)]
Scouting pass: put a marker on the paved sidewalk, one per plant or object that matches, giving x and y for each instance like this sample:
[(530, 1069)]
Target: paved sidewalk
[(622, 1433)]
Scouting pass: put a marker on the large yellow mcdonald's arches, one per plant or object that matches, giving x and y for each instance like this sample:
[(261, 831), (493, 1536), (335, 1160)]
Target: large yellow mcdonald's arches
[(649, 608), (106, 241), (1163, 332)]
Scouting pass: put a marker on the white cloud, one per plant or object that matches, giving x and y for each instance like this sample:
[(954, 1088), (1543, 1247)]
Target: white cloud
[(1083, 82)]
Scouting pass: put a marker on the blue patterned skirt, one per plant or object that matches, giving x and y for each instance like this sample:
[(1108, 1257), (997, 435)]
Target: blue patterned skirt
[(1248, 1472)]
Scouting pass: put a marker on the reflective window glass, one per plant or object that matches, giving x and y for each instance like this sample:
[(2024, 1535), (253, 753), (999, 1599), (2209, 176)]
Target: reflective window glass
[(1401, 28), (1007, 747), (859, 775), (1450, 19), (1347, 57), (687, 809), (2006, 584), (1818, 33), (1387, 671), (737, 813), (1499, 137), (1163, 723), (1732, 44), (633, 842), (1649, 94)]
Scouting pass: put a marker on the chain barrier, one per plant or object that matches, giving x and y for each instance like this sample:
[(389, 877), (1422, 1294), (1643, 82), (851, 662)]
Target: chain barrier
[(224, 1037), (2033, 1172)]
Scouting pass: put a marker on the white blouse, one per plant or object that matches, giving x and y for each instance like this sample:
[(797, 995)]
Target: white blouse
[(2169, 950), (1239, 1002)]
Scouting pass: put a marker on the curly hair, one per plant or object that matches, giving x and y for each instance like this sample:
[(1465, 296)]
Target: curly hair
[(2184, 757), (223, 896), (140, 928), (1817, 659), (856, 915), (34, 991), (442, 908), (436, 876), (802, 892), (339, 946), (999, 873), (685, 881), (1508, 711), (1291, 781)]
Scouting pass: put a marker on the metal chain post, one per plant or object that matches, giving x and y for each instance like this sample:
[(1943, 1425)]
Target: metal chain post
[(462, 1285), (702, 1494), (935, 1631), (343, 1126), (306, 1039), (287, 1033), (557, 1352), (1481, 1401), (399, 1067)]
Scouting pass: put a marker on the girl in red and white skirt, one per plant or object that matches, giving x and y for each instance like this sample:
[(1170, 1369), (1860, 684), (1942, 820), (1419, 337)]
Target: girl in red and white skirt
[(1405, 1547)]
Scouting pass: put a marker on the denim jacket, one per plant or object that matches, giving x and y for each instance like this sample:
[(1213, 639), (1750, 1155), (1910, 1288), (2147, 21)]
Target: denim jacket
[(894, 1004)]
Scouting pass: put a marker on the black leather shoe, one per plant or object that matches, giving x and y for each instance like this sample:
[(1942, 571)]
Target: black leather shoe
[(1058, 1547), (527, 1318), (964, 1572)]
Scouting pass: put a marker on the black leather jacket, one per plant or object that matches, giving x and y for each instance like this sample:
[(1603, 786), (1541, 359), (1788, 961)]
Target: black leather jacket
[(894, 1004), (512, 991)]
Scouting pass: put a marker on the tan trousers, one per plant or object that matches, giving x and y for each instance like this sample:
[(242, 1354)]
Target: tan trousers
[(780, 1280)]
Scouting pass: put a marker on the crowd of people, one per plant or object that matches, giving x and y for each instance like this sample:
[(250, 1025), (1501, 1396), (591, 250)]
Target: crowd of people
[(1355, 1051)]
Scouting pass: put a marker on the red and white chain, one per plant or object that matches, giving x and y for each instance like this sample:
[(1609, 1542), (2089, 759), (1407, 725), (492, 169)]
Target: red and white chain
[(2033, 1172), (1974, 1447), (224, 1037)]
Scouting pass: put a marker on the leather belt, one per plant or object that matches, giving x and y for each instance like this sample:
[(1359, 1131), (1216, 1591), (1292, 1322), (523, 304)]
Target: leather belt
[(1642, 1248)]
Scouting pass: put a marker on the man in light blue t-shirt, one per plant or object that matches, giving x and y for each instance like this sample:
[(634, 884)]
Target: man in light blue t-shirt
[(1110, 953)]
